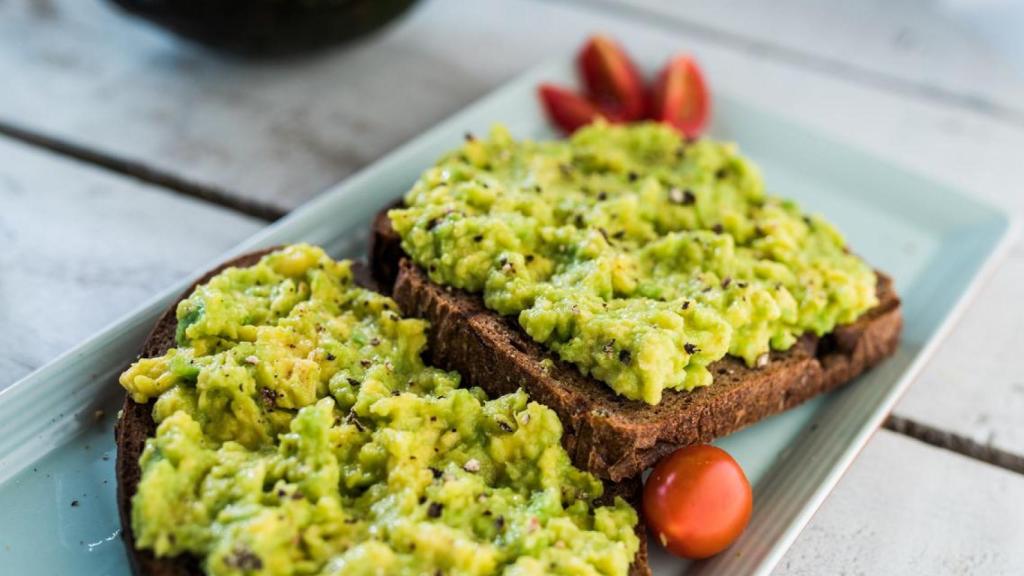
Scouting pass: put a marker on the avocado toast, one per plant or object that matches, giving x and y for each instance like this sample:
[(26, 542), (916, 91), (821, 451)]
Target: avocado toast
[(642, 286), (457, 465)]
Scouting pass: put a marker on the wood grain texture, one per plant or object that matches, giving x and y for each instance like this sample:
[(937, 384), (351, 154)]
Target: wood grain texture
[(908, 508), (928, 49), (974, 385), (81, 247), (280, 132)]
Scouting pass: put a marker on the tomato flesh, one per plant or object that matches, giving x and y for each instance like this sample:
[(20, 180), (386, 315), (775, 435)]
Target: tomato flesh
[(611, 79), (697, 501), (681, 97)]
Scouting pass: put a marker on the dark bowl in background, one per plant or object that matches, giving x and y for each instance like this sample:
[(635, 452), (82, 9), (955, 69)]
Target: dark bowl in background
[(268, 27)]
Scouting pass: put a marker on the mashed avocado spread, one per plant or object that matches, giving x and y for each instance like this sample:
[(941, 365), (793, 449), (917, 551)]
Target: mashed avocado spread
[(635, 255), (300, 433)]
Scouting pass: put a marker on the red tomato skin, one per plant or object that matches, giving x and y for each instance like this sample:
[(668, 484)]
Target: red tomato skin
[(681, 98), (611, 79), (697, 501), (567, 109)]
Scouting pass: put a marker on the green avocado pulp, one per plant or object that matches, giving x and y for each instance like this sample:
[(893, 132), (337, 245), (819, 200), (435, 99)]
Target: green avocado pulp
[(300, 433), (636, 256)]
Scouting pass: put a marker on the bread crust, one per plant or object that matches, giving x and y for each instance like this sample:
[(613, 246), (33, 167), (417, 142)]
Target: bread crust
[(135, 425), (611, 436)]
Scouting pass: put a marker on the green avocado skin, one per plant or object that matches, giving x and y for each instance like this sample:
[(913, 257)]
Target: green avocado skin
[(268, 27)]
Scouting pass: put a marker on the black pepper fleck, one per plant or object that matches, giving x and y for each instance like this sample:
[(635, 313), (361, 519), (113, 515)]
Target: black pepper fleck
[(244, 559), (434, 510), (609, 348), (351, 418), (269, 397), (690, 348), (625, 356)]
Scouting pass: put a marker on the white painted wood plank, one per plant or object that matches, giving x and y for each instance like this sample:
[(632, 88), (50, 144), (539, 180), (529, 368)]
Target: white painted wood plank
[(974, 385), (81, 247), (927, 46), (279, 132), (908, 508)]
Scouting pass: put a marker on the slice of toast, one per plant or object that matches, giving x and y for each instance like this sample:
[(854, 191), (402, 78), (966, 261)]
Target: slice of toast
[(135, 425), (607, 434)]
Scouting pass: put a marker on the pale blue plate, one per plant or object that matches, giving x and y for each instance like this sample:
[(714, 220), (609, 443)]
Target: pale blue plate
[(57, 492)]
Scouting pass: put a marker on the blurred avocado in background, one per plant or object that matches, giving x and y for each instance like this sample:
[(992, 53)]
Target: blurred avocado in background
[(268, 27)]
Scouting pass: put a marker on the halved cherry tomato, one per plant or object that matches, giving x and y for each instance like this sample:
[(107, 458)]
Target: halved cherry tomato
[(611, 79), (567, 109), (697, 501), (681, 98)]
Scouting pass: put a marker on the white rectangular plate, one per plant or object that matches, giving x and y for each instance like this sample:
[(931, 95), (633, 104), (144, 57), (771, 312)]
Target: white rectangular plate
[(57, 446)]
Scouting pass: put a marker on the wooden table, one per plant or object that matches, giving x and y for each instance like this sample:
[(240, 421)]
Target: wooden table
[(130, 159)]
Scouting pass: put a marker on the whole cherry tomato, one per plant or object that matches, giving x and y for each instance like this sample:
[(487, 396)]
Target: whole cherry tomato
[(697, 501)]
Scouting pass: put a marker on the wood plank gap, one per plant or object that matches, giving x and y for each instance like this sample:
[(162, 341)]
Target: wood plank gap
[(829, 66), (139, 171), (956, 443)]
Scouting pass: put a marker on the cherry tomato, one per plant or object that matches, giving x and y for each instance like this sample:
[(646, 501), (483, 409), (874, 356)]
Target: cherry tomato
[(611, 79), (681, 97), (567, 109), (697, 501)]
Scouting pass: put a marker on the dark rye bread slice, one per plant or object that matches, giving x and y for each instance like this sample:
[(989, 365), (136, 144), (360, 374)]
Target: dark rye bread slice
[(611, 436), (135, 425)]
